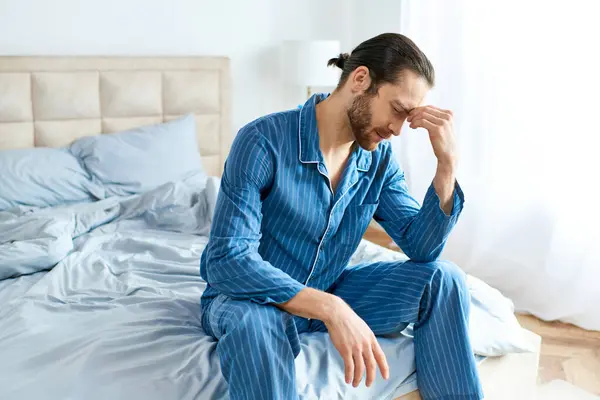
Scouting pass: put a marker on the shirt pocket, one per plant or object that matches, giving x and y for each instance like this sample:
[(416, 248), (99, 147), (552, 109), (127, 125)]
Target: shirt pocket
[(355, 222)]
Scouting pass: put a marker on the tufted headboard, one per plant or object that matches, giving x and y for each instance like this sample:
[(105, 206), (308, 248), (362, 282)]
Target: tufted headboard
[(51, 101)]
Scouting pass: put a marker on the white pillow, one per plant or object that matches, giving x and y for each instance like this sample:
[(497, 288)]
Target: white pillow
[(493, 327), (141, 159)]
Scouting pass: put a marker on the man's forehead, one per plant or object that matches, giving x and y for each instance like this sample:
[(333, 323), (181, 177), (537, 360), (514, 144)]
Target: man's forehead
[(404, 100), (406, 95)]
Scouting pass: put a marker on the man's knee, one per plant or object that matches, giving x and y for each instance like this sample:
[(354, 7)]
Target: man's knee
[(261, 322), (267, 320), (261, 327), (448, 275)]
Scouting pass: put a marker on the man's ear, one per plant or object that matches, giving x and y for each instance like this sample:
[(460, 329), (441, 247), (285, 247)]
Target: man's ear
[(360, 80)]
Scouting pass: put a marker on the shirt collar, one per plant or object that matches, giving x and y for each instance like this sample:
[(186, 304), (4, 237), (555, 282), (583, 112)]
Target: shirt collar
[(308, 137)]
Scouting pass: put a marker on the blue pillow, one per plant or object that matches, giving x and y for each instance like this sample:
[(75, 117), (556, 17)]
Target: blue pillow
[(42, 177), (141, 159)]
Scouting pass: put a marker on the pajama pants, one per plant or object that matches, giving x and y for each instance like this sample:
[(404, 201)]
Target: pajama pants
[(257, 344)]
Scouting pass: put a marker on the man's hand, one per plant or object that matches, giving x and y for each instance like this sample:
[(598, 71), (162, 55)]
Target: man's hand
[(439, 124), (357, 345), (350, 335)]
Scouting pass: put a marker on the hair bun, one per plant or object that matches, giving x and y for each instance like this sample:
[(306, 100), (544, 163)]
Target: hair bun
[(339, 61)]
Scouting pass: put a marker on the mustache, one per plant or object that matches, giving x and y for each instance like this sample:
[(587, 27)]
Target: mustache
[(385, 133)]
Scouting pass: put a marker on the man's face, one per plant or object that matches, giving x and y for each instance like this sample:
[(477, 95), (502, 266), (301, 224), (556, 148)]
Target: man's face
[(375, 117)]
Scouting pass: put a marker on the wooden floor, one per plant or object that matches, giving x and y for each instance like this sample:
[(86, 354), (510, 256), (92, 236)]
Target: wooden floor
[(568, 352)]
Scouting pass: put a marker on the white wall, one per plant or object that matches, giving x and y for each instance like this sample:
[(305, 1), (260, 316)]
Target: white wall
[(367, 21), (249, 32)]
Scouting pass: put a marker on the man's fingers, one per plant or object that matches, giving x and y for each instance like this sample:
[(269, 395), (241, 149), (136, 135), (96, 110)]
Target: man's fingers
[(423, 123), (348, 367), (359, 368), (430, 117), (371, 367), (442, 114), (381, 360), (438, 112), (447, 112)]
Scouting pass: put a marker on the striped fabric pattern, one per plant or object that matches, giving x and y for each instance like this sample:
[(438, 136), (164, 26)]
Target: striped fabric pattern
[(279, 227)]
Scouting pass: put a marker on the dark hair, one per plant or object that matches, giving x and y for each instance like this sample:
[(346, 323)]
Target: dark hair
[(386, 56)]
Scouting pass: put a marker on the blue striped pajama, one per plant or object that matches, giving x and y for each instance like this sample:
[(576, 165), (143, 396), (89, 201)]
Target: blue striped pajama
[(278, 227)]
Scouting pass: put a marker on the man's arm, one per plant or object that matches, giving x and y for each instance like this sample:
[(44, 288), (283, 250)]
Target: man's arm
[(233, 265), (440, 127), (420, 231), (314, 304)]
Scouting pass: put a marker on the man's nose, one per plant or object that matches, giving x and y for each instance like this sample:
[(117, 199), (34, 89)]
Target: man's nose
[(395, 128)]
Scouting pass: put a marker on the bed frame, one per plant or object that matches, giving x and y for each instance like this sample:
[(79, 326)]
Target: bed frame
[(51, 101)]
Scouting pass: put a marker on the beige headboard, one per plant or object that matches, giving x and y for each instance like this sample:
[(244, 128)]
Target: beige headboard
[(51, 101)]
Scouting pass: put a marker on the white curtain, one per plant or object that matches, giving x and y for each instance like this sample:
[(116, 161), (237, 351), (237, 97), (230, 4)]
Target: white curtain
[(523, 79)]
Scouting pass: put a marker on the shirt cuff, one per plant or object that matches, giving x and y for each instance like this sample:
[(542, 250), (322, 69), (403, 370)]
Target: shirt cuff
[(458, 200)]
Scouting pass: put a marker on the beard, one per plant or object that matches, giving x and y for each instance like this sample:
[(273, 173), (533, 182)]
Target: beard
[(359, 116)]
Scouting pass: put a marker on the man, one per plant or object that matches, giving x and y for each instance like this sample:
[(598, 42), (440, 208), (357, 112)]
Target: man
[(298, 191)]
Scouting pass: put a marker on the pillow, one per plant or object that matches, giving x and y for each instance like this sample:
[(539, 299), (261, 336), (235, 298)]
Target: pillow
[(42, 177), (494, 328), (141, 159)]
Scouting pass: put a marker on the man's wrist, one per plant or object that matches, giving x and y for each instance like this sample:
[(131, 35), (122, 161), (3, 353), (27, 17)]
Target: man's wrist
[(331, 307), (446, 167), (313, 303), (445, 177), (443, 183)]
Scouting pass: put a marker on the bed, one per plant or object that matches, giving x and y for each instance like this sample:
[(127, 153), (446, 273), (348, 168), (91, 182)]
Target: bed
[(104, 302)]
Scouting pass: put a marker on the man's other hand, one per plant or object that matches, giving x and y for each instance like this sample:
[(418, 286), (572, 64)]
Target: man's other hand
[(357, 345)]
